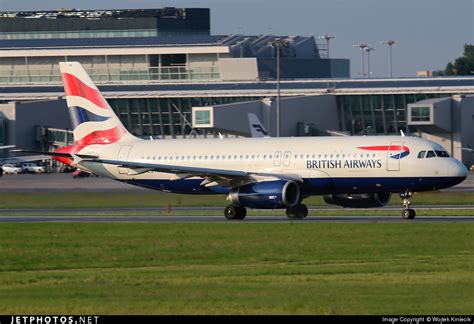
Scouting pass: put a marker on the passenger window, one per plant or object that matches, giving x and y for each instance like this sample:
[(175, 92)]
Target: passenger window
[(430, 154), (421, 155)]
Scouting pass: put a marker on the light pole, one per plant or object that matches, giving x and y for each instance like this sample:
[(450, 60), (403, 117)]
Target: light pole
[(277, 43), (361, 47), (327, 38), (368, 49), (390, 43)]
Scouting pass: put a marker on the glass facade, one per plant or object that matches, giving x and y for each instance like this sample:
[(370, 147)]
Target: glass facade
[(172, 117), (108, 68), (3, 131), (421, 114), (202, 117), (103, 75), (377, 114), (78, 34), (167, 117)]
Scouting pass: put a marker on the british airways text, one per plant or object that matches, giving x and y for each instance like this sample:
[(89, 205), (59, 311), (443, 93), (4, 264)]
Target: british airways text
[(347, 164)]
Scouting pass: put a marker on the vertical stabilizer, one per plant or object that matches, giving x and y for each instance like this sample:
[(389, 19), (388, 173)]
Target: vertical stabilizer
[(256, 127), (93, 120)]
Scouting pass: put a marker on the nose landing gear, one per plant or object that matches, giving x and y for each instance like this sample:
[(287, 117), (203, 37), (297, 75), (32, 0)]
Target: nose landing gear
[(407, 213)]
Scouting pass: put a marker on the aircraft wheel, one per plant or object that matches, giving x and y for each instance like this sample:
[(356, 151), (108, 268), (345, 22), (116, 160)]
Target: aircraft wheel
[(408, 213), (297, 212), (242, 212), (304, 210), (232, 212)]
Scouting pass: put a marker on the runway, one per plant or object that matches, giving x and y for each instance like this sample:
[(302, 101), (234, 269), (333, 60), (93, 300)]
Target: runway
[(90, 211), (221, 219)]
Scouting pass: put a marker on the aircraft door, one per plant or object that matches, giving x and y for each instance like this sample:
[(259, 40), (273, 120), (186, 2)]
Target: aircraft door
[(277, 158), (123, 156), (393, 156), (287, 158)]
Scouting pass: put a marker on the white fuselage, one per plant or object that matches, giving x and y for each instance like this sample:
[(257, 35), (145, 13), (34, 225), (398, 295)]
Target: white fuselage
[(329, 164)]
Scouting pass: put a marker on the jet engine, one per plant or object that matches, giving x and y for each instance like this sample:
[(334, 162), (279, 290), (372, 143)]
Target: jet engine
[(367, 200), (266, 194)]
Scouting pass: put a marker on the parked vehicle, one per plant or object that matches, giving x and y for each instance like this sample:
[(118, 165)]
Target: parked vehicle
[(80, 174), (34, 168), (11, 169)]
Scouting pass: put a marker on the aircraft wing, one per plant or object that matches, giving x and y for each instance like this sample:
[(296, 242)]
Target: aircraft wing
[(212, 177)]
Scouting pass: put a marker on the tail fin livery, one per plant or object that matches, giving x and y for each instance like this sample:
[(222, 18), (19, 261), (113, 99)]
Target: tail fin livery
[(256, 127), (93, 120)]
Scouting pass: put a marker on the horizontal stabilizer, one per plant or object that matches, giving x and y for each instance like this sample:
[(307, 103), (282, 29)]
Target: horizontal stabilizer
[(58, 154)]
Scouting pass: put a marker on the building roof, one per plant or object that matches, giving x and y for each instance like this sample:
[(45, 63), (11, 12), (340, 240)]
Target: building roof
[(446, 85), (161, 41)]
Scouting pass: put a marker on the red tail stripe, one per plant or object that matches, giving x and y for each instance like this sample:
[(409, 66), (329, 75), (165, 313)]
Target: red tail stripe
[(103, 136), (75, 87), (385, 148)]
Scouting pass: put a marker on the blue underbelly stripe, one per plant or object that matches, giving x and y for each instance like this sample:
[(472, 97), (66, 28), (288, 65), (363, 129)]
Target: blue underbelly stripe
[(315, 186)]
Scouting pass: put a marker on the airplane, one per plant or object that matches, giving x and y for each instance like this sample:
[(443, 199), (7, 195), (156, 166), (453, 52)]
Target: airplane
[(260, 173), (256, 127)]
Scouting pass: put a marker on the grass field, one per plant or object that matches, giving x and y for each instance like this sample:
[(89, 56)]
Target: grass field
[(237, 268), (155, 199)]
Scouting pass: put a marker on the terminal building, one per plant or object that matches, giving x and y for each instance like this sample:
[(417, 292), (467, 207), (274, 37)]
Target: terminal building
[(156, 72)]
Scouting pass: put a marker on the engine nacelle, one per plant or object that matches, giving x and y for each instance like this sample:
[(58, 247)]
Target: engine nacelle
[(367, 200), (267, 194)]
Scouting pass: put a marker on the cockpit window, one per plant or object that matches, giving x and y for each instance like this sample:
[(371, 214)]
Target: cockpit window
[(421, 155), (430, 154), (442, 154)]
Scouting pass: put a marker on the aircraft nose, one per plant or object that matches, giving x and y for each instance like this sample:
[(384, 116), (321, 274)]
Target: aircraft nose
[(458, 170)]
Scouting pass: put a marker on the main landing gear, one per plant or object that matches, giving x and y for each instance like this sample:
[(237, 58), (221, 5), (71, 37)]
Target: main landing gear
[(236, 212), (299, 211), (407, 213), (232, 212)]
